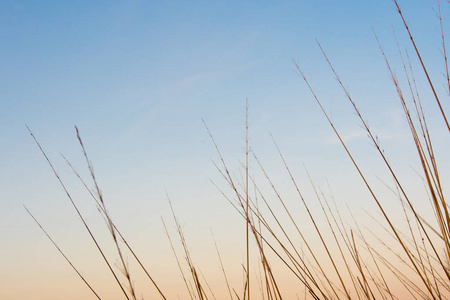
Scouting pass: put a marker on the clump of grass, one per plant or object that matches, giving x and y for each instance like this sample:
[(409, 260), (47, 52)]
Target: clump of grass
[(357, 264)]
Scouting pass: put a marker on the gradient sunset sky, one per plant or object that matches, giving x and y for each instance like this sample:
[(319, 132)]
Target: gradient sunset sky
[(138, 77)]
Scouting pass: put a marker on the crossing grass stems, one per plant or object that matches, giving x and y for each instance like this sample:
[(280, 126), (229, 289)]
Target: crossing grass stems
[(359, 268)]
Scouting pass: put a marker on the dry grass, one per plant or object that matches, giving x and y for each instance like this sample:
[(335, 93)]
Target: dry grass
[(407, 261)]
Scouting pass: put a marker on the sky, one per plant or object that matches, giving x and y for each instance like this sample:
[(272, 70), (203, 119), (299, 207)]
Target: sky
[(138, 77)]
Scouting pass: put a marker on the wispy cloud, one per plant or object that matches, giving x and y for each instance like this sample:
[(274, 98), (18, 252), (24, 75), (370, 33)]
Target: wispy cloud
[(346, 137)]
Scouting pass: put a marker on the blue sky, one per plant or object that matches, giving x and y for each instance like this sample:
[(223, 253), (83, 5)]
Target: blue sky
[(137, 77)]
